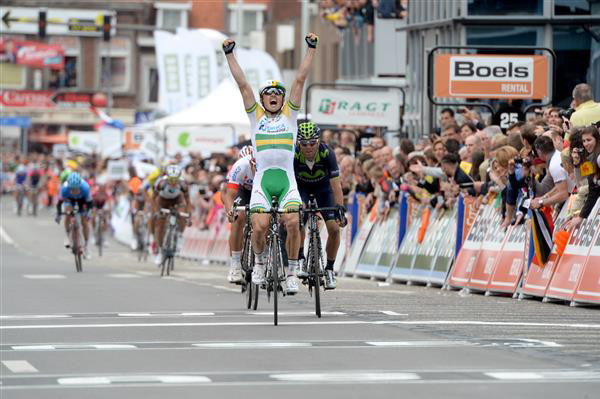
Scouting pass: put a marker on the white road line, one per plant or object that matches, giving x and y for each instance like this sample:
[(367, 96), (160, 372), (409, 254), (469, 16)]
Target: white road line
[(107, 380), (44, 276), (345, 377), (134, 314), (392, 313), (6, 237), (296, 313), (545, 375), (197, 314), (34, 316), (19, 366), (238, 345), (421, 344), (124, 275), (297, 323)]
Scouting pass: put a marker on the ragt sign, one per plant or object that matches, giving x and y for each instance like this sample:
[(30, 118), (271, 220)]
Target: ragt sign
[(491, 76), (374, 107)]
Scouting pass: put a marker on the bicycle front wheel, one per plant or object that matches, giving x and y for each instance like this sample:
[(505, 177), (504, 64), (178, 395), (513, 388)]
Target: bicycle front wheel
[(274, 265), (316, 272)]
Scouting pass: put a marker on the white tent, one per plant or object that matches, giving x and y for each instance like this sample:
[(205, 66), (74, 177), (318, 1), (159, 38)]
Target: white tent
[(223, 106)]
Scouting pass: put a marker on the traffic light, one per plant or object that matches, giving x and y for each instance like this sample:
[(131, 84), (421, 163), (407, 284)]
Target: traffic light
[(42, 24), (106, 28)]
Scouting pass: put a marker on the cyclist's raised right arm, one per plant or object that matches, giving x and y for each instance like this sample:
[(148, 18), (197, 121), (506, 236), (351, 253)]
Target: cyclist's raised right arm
[(239, 76)]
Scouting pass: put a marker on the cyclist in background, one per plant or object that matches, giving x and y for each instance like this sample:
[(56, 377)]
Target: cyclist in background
[(35, 180), (20, 180), (148, 188), (317, 173), (237, 193), (76, 192), (273, 134), (170, 192), (100, 197)]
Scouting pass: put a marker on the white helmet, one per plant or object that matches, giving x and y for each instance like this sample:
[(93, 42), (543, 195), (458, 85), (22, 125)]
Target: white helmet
[(246, 151), (173, 172), (271, 84)]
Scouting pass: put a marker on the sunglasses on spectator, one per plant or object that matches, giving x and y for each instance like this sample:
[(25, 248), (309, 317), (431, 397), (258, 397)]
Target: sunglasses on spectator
[(273, 90), (306, 143)]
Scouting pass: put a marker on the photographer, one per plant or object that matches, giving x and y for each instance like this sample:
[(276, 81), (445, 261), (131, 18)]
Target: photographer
[(576, 154), (587, 111), (563, 185), (591, 169)]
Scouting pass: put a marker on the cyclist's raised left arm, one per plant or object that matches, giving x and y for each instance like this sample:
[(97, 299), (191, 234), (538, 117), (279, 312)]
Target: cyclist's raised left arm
[(296, 92)]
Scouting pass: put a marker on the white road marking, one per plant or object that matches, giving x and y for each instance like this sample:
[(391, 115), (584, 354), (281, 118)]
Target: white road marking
[(420, 344), (107, 380), (297, 323), (73, 346), (346, 377), (197, 314), (124, 275), (297, 313), (145, 273), (545, 343), (392, 313), (44, 276), (34, 316), (19, 366), (5, 237), (238, 345), (545, 375), (134, 314)]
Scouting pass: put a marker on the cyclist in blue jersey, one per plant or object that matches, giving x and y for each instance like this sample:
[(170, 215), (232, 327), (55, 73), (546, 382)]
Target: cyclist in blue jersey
[(75, 191), (20, 189), (317, 173)]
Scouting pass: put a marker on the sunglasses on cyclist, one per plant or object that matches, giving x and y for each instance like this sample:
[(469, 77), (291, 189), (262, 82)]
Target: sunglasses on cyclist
[(273, 90), (307, 143)]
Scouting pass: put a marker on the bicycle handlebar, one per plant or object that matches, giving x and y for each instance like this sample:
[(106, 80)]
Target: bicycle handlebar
[(169, 211), (266, 211)]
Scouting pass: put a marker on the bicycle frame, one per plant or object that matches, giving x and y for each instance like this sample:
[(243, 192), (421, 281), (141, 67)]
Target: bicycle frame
[(170, 239)]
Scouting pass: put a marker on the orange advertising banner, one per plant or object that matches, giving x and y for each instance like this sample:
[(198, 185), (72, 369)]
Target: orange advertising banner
[(491, 76)]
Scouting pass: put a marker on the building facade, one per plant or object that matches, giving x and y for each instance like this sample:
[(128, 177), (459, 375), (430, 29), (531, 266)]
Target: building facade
[(571, 28)]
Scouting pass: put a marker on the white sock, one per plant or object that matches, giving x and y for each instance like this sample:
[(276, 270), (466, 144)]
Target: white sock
[(292, 266), (260, 257), (236, 258)]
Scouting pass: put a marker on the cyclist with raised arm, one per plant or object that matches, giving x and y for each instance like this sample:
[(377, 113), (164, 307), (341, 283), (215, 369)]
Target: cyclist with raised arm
[(170, 191), (76, 192), (273, 134), (237, 193), (317, 173)]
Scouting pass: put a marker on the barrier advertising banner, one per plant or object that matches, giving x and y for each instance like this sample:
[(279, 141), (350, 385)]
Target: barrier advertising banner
[(445, 254), (335, 106), (510, 262), (197, 138), (408, 249), (588, 288), (359, 242), (570, 267), (493, 238), (491, 76), (538, 278), (382, 241), (469, 253), (427, 249)]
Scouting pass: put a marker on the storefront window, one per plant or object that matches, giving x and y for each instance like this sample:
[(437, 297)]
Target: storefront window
[(504, 36), (505, 7), (577, 56), (576, 7)]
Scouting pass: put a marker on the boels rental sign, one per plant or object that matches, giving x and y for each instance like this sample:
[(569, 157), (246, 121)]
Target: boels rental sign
[(491, 76), (356, 107)]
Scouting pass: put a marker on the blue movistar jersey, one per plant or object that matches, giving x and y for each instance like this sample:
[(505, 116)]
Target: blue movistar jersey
[(84, 193), (314, 176)]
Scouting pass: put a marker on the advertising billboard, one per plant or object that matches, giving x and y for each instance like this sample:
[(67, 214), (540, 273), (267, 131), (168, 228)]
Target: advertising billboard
[(491, 76)]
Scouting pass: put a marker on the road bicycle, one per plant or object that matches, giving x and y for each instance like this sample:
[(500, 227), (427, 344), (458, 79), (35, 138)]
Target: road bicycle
[(249, 289), (275, 274), (75, 237), (33, 200), (314, 259), (169, 247), (20, 197)]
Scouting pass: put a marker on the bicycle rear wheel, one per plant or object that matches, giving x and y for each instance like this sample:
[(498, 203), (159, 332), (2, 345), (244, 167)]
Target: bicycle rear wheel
[(99, 238), (171, 265)]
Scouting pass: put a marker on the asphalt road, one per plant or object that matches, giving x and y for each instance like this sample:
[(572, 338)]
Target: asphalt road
[(118, 330)]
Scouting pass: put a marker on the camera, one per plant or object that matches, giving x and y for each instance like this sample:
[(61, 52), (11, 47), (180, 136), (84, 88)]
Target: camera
[(566, 113)]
